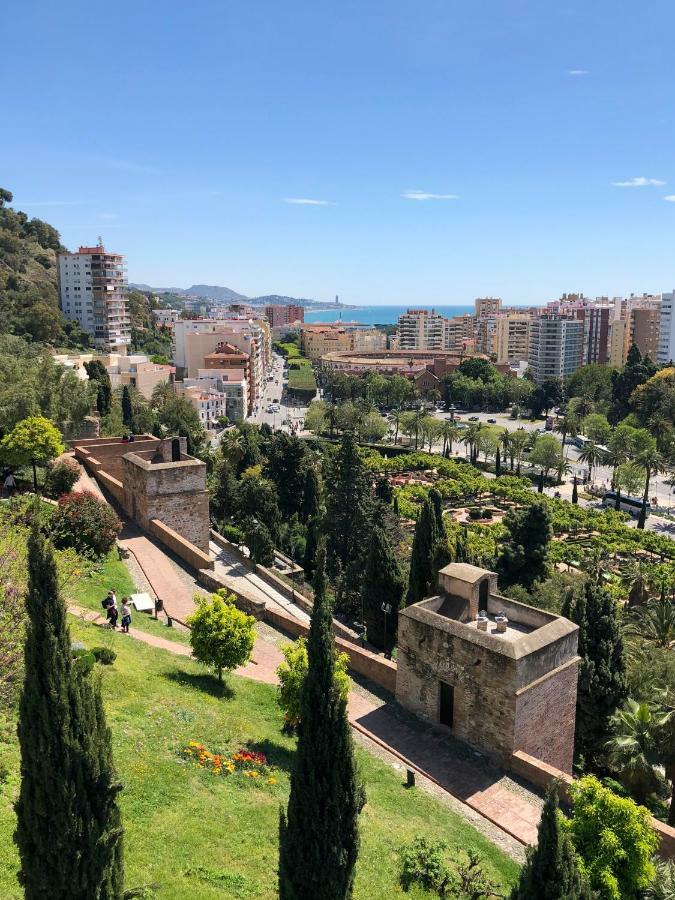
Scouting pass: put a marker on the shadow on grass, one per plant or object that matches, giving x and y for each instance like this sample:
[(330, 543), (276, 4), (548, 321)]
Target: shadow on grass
[(277, 755), (204, 682)]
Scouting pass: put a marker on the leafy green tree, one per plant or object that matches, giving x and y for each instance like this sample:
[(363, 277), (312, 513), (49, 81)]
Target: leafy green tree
[(221, 636), (318, 834), (259, 542), (597, 428), (551, 871), (223, 492), (127, 408), (86, 523), (629, 477), (179, 417), (655, 399), (69, 831), (383, 584), (524, 555), (257, 499), (624, 383), (602, 675), (286, 466), (547, 453), (97, 373), (615, 840), (35, 440), (292, 673), (421, 559)]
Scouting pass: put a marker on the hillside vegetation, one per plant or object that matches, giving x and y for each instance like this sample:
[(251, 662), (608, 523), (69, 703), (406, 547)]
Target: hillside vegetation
[(29, 304)]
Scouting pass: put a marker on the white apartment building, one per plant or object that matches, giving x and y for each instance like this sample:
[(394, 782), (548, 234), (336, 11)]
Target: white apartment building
[(93, 292), (459, 333), (556, 346), (666, 350), (421, 329), (166, 317), (210, 403)]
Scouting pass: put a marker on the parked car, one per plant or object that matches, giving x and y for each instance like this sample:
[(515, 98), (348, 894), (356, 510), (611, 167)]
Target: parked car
[(492, 421), (473, 418)]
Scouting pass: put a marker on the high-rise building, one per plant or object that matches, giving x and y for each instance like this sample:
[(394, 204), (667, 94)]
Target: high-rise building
[(646, 330), (93, 292), (512, 337), (284, 314), (666, 350), (421, 329), (488, 307), (556, 346), (459, 334), (597, 320), (619, 342)]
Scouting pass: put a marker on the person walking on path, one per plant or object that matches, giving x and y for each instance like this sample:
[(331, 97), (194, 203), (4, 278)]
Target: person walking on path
[(112, 612), (10, 485), (126, 615)]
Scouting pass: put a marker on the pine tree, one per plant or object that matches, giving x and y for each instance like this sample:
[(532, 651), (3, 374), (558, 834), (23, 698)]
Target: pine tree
[(68, 830), (318, 835), (421, 570), (127, 408), (551, 871), (524, 555), (382, 583), (602, 676), (575, 491)]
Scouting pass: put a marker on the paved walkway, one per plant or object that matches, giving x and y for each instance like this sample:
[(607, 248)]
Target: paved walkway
[(513, 809), (236, 575)]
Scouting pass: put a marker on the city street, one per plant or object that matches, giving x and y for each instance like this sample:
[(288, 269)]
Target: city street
[(274, 392)]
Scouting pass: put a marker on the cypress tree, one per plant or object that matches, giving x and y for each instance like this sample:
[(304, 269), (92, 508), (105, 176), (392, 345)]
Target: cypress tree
[(540, 486), (575, 491), (311, 495), (68, 830), (437, 502), (498, 463), (551, 871), (318, 835), (311, 541), (383, 489), (421, 567), (396, 512), (602, 676), (382, 583), (127, 409)]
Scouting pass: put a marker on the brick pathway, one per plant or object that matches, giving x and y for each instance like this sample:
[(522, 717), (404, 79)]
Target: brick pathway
[(472, 781)]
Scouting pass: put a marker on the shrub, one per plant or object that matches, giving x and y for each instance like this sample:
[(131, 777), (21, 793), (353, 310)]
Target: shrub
[(83, 660), (104, 655), (423, 863), (61, 478), (292, 673), (221, 635), (232, 533), (85, 523)]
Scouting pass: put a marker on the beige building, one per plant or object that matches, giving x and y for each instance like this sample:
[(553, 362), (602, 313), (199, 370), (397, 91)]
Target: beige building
[(488, 307), (136, 371), (645, 328), (619, 342), (460, 334), (512, 339), (317, 340), (499, 675), (421, 329)]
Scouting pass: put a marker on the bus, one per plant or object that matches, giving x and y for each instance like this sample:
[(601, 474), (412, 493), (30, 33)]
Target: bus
[(628, 504), (580, 441)]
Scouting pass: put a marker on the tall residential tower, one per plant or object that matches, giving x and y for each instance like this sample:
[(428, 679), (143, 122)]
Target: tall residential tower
[(93, 292)]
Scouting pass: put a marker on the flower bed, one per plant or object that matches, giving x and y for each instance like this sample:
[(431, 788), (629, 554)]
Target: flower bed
[(248, 763)]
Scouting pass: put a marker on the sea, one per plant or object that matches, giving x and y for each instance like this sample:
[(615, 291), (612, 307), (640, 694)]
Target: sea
[(380, 315)]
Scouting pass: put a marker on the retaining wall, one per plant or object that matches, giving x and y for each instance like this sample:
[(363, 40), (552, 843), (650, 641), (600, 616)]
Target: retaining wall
[(540, 774), (192, 555)]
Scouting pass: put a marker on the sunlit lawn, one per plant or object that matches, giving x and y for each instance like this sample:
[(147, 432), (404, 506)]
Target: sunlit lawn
[(199, 836)]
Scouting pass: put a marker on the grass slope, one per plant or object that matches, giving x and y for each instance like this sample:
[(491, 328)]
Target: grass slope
[(204, 837)]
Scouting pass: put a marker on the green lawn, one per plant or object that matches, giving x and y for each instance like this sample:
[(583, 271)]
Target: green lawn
[(90, 589), (204, 837)]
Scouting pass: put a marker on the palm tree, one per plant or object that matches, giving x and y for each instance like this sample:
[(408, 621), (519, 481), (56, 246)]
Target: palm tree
[(519, 440), (661, 429), (470, 438), (592, 455), (232, 447), (653, 622), (450, 432), (567, 425), (397, 417), (652, 462), (633, 751), (666, 747), (430, 430), (507, 446), (616, 455)]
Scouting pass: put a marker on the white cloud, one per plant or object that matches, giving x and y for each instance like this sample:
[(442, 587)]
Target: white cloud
[(578, 72), (670, 198), (640, 181), (108, 217), (307, 201), (425, 195)]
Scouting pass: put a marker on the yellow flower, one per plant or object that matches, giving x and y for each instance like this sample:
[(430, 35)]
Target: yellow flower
[(271, 781)]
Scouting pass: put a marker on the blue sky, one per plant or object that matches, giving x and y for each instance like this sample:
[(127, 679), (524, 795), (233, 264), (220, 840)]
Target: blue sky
[(180, 134)]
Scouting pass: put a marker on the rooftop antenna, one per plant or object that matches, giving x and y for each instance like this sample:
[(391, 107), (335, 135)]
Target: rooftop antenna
[(100, 241)]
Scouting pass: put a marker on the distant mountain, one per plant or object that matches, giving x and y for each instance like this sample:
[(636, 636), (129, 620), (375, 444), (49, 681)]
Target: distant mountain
[(156, 290), (280, 300), (208, 291)]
